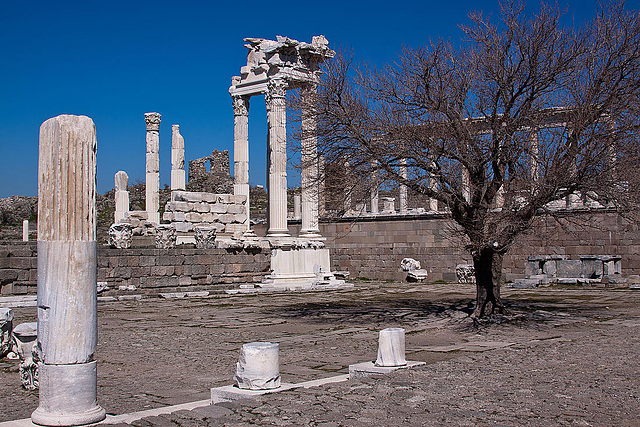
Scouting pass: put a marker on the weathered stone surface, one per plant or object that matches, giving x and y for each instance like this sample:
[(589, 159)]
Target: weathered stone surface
[(120, 235), (25, 341), (6, 329), (165, 236), (259, 366), (391, 350), (569, 268), (409, 264), (205, 236)]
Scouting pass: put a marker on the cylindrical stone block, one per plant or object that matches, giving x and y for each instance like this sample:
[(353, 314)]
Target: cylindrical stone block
[(391, 347), (67, 303), (259, 366)]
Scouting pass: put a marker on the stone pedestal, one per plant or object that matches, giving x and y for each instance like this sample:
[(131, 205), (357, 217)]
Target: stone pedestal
[(152, 178), (277, 159), (259, 366), (178, 180), (25, 230), (67, 301), (122, 196), (391, 347), (388, 205)]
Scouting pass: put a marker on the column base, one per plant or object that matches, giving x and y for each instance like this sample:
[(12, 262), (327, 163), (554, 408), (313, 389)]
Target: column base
[(68, 395), (278, 233), (310, 234)]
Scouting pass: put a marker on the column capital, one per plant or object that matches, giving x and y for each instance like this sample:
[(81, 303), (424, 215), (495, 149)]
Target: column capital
[(153, 121), (276, 88), (240, 105)]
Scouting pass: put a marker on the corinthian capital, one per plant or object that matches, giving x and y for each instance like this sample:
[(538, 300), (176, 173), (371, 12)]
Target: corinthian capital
[(240, 105), (153, 121), (276, 88)]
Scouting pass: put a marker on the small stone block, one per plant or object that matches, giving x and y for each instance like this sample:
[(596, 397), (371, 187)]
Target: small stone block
[(366, 369)]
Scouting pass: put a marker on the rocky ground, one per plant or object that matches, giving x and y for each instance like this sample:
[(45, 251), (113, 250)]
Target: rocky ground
[(561, 357)]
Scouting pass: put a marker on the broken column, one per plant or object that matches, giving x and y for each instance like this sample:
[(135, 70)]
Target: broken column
[(259, 366), (152, 182), (122, 196), (241, 148), (25, 230), (67, 301), (178, 180), (403, 202), (277, 158), (309, 173), (391, 347)]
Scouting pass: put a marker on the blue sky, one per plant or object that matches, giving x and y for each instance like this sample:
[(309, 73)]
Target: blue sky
[(113, 61)]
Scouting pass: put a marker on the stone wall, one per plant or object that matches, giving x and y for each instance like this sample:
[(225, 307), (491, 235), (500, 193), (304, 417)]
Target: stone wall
[(149, 270), (373, 248), (217, 179), (188, 209)]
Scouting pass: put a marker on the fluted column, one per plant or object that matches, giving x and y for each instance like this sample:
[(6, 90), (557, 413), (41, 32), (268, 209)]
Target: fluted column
[(122, 195), (241, 148), (67, 303), (277, 158), (152, 182), (403, 202), (466, 187), (374, 195), (178, 179), (309, 174)]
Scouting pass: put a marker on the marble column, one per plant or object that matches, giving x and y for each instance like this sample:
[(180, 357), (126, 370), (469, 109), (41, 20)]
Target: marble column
[(297, 209), (277, 158), (612, 152), (433, 203), (67, 303), (321, 187), (347, 189), (534, 152), (466, 187), (122, 196), (178, 181), (403, 202), (241, 149), (309, 173), (374, 195), (25, 230), (152, 182)]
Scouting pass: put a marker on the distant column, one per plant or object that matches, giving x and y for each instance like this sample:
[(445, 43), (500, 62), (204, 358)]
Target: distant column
[(67, 303), (612, 152), (178, 181), (297, 211), (241, 149), (25, 230), (403, 202), (277, 158), (534, 152), (466, 187), (122, 196), (374, 189), (152, 182), (309, 173), (322, 197), (347, 188)]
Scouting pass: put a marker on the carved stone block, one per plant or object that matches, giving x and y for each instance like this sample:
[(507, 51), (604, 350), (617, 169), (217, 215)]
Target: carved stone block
[(205, 236), (165, 236), (25, 341), (6, 329), (120, 235)]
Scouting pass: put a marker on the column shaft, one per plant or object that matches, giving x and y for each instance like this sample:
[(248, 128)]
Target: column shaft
[(178, 179), (309, 175), (152, 178), (403, 202), (67, 303), (241, 149), (277, 159)]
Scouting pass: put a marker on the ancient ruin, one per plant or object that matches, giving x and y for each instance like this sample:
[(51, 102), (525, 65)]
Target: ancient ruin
[(67, 304)]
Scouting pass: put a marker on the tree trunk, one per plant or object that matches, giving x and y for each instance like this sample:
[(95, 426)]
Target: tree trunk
[(488, 266)]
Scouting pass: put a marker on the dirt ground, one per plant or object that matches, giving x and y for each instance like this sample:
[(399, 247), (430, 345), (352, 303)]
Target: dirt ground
[(563, 356)]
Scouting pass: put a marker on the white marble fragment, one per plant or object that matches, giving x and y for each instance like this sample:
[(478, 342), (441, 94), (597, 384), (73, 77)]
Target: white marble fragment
[(259, 366), (409, 264), (391, 347), (6, 329)]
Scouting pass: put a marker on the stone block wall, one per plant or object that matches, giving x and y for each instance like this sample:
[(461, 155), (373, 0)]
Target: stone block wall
[(226, 212), (374, 247), (149, 270), (18, 268)]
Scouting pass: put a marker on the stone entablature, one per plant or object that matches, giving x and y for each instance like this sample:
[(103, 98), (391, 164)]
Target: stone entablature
[(225, 212)]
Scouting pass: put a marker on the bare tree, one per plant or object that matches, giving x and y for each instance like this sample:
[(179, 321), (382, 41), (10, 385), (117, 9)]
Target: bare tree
[(525, 113)]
